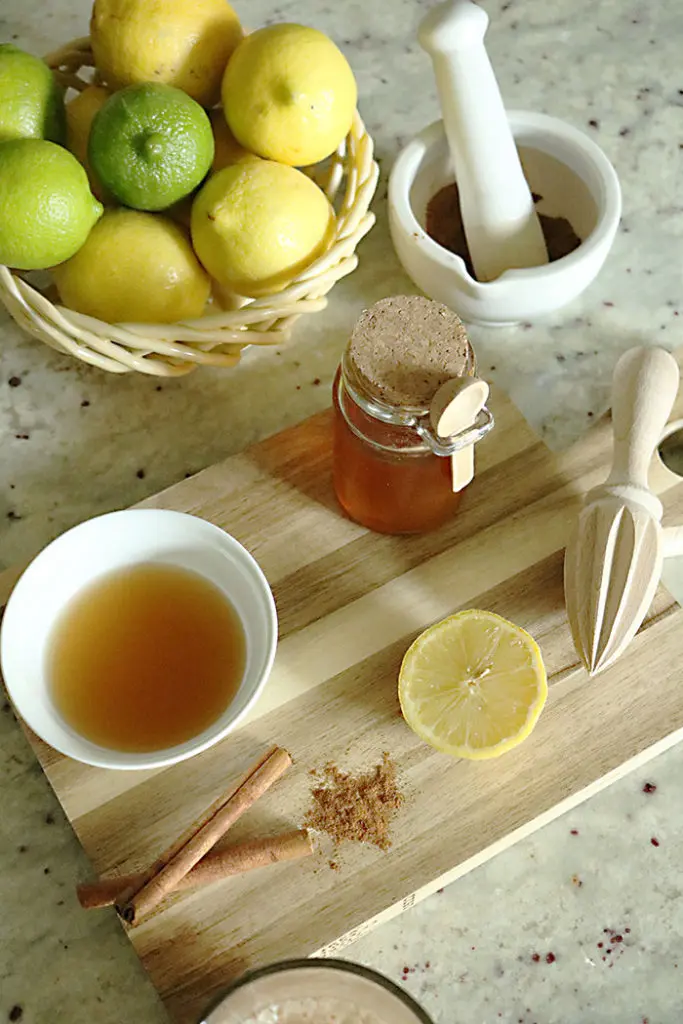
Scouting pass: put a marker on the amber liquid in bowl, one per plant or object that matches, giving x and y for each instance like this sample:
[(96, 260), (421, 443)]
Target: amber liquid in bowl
[(145, 658)]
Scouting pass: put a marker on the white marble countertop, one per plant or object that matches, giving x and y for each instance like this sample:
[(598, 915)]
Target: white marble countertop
[(76, 442)]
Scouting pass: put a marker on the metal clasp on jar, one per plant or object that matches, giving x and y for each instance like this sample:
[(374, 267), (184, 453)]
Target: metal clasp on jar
[(455, 442), (419, 422)]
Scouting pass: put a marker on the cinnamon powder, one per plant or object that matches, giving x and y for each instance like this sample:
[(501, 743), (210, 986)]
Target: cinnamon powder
[(444, 225), (359, 808)]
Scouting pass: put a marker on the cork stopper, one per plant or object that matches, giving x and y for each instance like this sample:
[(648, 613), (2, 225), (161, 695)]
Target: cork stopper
[(405, 347)]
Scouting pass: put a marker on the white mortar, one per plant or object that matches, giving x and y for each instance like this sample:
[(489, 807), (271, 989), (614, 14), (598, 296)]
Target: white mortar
[(564, 166)]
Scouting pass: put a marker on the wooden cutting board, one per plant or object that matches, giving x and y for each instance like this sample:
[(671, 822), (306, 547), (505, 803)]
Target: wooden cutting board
[(350, 602)]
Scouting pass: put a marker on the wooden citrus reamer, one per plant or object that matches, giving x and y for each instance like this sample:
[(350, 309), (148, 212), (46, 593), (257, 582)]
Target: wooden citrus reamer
[(613, 560)]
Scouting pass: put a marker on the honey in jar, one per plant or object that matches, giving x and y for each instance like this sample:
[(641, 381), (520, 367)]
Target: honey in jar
[(391, 472)]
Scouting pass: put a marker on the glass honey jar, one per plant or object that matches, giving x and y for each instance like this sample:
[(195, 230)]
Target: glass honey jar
[(392, 473)]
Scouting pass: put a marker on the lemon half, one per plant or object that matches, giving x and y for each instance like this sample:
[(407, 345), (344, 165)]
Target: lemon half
[(473, 685)]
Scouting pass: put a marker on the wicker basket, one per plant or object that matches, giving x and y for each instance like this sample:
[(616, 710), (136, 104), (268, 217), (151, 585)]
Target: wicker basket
[(348, 179)]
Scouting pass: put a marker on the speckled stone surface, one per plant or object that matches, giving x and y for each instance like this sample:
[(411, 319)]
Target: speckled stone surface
[(76, 442)]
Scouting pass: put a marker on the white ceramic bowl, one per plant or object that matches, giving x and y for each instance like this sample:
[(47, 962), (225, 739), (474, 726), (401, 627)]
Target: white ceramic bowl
[(564, 166), (101, 545)]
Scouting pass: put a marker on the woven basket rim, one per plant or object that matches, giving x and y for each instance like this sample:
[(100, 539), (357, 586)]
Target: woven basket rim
[(220, 335)]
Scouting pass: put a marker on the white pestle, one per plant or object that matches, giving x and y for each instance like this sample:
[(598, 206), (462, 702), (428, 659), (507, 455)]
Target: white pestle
[(498, 215)]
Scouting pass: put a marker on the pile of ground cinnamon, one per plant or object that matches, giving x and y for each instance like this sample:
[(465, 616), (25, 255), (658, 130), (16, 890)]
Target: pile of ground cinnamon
[(444, 225), (359, 808)]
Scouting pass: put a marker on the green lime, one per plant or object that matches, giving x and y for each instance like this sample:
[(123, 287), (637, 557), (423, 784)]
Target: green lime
[(46, 206), (150, 145), (31, 102)]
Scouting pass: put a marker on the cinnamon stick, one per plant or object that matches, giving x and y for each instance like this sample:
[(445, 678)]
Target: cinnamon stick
[(166, 872), (218, 864), (175, 847)]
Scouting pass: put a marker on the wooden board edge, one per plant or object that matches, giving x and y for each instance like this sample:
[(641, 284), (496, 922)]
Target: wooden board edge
[(332, 948)]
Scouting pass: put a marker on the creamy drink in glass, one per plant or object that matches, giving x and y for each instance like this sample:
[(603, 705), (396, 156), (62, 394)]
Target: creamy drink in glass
[(315, 991)]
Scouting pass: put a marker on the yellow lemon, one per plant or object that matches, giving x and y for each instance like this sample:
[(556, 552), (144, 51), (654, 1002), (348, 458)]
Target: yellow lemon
[(258, 224), (135, 267), (473, 685), (289, 94), (80, 113), (185, 43), (227, 150)]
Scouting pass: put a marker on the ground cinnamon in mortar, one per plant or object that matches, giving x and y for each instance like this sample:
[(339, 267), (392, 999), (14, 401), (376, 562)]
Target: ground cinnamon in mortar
[(359, 808), (444, 225)]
